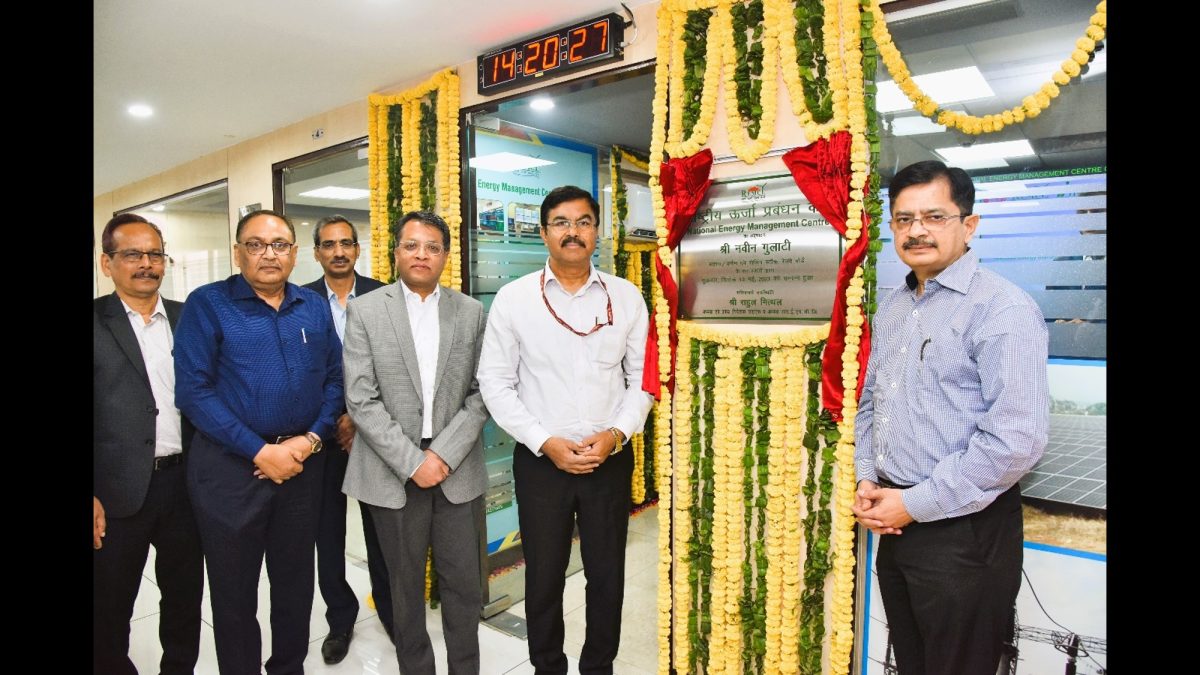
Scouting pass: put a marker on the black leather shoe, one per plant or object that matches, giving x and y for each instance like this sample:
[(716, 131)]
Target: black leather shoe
[(336, 646)]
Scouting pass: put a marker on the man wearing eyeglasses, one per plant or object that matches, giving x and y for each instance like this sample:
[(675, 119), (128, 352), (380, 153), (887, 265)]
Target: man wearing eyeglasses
[(410, 356), (258, 370), (139, 492), (335, 246), (955, 410), (561, 372)]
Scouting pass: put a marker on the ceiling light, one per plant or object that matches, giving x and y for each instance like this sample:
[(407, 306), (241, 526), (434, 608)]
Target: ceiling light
[(914, 126), (947, 86), (931, 8), (541, 103), (158, 208), (140, 110), (986, 151), (506, 161), (332, 192)]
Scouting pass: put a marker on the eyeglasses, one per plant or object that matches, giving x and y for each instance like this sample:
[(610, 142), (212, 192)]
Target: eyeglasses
[(566, 325), (562, 224), (932, 222), (134, 256), (256, 248), (329, 244), (410, 247)]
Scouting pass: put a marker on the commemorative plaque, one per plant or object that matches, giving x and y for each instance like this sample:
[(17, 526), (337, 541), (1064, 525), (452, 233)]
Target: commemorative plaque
[(757, 250)]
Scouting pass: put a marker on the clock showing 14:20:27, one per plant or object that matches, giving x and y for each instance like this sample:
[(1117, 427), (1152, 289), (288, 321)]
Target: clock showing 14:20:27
[(586, 43)]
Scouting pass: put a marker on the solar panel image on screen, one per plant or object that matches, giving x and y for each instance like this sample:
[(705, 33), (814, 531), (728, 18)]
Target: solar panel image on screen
[(1074, 468)]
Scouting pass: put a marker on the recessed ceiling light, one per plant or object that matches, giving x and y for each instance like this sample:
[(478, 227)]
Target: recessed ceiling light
[(541, 103), (158, 208), (304, 224), (506, 161), (986, 151), (140, 110), (947, 86), (334, 192)]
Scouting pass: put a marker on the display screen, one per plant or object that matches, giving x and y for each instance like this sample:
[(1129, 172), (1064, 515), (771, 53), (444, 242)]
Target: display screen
[(586, 43)]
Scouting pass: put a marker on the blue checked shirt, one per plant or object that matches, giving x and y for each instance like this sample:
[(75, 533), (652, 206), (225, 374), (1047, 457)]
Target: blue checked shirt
[(245, 372), (956, 401)]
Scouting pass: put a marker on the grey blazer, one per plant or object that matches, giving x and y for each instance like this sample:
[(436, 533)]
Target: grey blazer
[(384, 398)]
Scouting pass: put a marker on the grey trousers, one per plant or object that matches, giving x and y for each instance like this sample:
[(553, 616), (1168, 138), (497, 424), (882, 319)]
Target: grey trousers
[(405, 535)]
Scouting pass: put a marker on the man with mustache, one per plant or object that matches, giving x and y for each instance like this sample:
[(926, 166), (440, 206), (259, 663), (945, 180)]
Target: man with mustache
[(139, 441), (258, 369), (561, 371), (335, 246), (954, 411)]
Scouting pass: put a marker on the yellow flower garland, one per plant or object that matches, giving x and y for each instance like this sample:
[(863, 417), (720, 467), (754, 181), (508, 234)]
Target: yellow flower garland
[(785, 459), (448, 200), (1031, 106), (747, 150), (682, 504), (662, 447), (795, 396), (686, 147), (779, 13)]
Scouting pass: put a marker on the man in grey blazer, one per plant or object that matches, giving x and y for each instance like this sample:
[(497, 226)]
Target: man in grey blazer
[(139, 441), (410, 354)]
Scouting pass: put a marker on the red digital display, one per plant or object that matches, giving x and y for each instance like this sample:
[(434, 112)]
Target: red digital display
[(582, 44)]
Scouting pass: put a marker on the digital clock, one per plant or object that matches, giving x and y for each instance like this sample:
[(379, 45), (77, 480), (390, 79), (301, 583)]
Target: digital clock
[(551, 54)]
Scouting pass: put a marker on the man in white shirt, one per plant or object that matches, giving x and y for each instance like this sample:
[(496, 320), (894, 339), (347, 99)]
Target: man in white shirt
[(139, 493), (561, 372), (410, 354), (335, 246)]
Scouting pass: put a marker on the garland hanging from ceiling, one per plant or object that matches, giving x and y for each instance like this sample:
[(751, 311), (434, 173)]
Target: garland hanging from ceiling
[(413, 165)]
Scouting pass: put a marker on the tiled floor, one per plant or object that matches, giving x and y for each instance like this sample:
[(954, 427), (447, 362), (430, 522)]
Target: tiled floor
[(371, 652)]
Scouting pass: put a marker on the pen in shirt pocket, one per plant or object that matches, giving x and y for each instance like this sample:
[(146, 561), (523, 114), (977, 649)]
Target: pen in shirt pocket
[(303, 336)]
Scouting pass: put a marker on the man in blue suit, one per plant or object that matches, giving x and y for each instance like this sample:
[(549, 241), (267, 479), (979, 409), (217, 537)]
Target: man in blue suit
[(335, 246)]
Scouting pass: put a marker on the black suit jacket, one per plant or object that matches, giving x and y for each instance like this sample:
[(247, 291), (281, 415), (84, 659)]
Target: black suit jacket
[(361, 285), (123, 410)]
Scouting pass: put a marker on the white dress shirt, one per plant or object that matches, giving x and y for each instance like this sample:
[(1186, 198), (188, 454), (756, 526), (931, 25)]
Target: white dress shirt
[(339, 312), (156, 342), (426, 332), (539, 379)]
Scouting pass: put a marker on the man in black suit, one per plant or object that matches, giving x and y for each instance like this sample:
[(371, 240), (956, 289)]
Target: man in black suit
[(139, 441), (335, 246)]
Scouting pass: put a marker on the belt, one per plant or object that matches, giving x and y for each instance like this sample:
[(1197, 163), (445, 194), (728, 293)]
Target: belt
[(169, 460), (883, 482), (276, 440)]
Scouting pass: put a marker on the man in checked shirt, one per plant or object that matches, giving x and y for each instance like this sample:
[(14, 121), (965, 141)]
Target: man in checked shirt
[(954, 412)]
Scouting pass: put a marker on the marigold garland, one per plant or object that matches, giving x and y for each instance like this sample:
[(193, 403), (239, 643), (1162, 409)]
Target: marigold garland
[(743, 147), (1031, 106), (399, 146)]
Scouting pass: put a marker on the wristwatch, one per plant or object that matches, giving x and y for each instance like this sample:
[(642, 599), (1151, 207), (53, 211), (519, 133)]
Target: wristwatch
[(317, 445), (619, 437)]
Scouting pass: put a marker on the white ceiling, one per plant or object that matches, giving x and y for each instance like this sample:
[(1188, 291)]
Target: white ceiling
[(219, 72)]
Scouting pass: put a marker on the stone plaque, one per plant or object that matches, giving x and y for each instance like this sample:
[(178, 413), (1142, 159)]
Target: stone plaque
[(757, 250)]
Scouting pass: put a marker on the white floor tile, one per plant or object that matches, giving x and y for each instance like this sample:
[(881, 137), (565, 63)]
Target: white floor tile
[(371, 651)]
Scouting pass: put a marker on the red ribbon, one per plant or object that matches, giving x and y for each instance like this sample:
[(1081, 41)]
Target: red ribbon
[(684, 183), (822, 171)]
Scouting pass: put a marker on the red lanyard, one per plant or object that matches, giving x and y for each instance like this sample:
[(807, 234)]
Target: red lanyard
[(554, 314)]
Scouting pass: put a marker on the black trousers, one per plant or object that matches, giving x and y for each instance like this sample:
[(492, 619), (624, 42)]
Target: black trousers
[(429, 519), (242, 519), (948, 588), (550, 503), (340, 603), (165, 521)]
